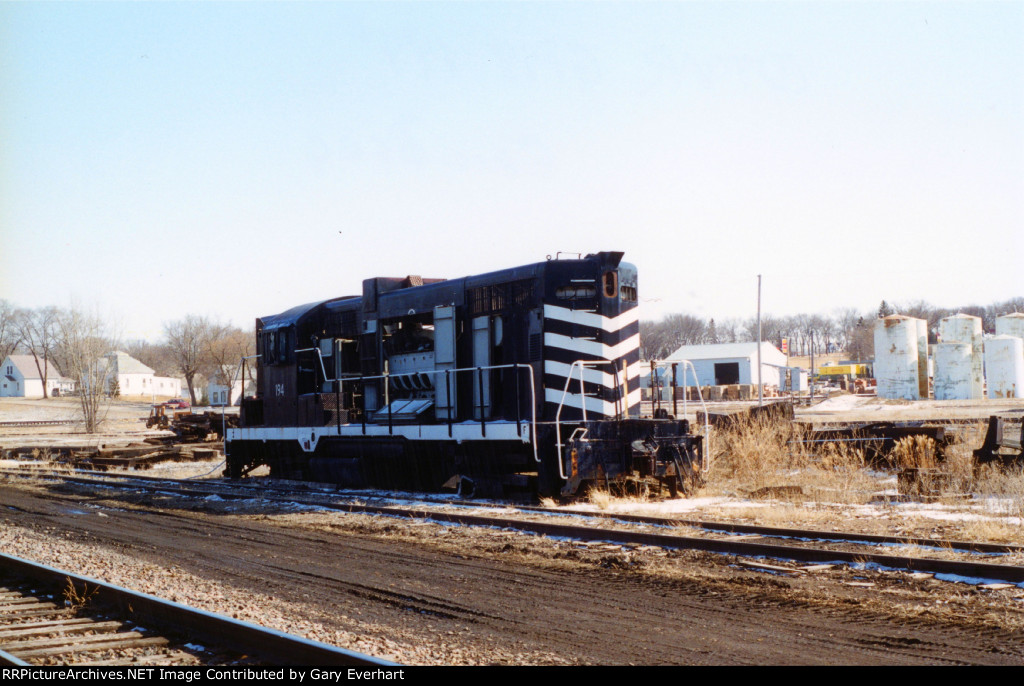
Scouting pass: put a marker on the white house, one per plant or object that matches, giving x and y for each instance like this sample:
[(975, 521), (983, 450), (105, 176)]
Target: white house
[(20, 378), (721, 364), (136, 379)]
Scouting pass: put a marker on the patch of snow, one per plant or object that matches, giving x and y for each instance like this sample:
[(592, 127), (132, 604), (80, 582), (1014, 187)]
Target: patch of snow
[(840, 403)]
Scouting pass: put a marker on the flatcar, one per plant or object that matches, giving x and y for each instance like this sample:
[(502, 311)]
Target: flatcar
[(522, 382)]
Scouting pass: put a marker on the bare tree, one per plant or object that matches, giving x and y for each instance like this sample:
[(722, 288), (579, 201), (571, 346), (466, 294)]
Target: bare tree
[(808, 329), (83, 342), (8, 330), (651, 339), (729, 331), (998, 309), (157, 356), (38, 331), (1008, 306), (660, 339), (772, 329), (919, 309), (189, 341), (846, 319), (226, 348), (688, 329)]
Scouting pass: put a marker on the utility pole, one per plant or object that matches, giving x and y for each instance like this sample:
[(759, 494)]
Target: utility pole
[(811, 375), (760, 386)]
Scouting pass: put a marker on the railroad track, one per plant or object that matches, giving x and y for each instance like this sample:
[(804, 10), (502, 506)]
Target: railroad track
[(312, 495), (50, 616), (740, 541), (45, 422)]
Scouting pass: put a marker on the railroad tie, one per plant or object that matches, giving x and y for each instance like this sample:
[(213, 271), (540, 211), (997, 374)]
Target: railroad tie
[(78, 644)]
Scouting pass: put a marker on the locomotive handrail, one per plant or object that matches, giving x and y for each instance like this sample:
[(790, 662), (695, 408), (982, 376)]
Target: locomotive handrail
[(583, 406), (700, 396), (319, 356), (224, 407), (434, 372)]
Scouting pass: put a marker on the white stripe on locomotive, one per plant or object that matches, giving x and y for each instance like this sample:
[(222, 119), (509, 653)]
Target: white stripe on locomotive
[(591, 348), (592, 319), (308, 436), (595, 406), (592, 375)]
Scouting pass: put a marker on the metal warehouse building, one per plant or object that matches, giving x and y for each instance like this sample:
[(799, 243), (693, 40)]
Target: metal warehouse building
[(722, 364)]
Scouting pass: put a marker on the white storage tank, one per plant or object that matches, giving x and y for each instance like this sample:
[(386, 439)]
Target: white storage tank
[(898, 357), (1004, 366), (1010, 325), (954, 372), (959, 328), (963, 328)]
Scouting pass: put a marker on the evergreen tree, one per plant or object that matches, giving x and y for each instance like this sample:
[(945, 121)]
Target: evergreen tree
[(712, 332), (884, 310)]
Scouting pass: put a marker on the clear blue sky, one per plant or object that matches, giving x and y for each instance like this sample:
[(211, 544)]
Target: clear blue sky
[(236, 159)]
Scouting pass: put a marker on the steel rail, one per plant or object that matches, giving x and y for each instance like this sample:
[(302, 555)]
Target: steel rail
[(781, 532), (983, 570), (727, 527), (42, 422), (245, 637), (9, 660)]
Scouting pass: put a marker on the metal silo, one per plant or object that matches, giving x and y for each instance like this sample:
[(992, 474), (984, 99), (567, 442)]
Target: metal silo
[(965, 329), (1010, 325), (954, 374), (1004, 366), (959, 328), (898, 367)]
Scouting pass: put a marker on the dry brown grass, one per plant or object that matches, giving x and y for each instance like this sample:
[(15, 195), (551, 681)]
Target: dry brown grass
[(1002, 488), (75, 599), (914, 452), (959, 462), (956, 478), (925, 473), (988, 529), (757, 455), (785, 514), (602, 499)]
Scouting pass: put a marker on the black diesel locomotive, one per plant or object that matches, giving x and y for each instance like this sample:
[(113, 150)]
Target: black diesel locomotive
[(520, 381)]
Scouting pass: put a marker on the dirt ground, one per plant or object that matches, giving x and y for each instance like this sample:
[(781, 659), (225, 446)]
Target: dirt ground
[(422, 593), (123, 422)]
